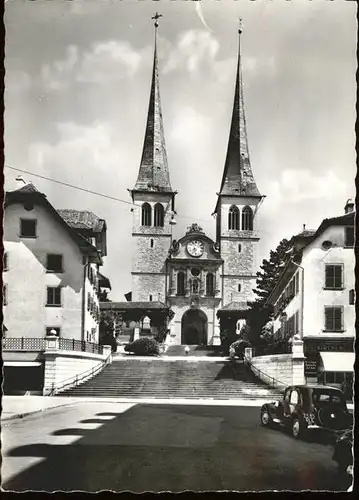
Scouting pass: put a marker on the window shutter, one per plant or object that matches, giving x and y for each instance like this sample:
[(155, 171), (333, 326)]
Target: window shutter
[(351, 297), (328, 319)]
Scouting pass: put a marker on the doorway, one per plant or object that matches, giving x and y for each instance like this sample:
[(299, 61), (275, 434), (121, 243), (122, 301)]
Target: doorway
[(194, 327)]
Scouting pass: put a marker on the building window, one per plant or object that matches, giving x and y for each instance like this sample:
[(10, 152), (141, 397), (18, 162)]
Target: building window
[(6, 262), (247, 219), (296, 286), (351, 297), (28, 228), (50, 328), (239, 248), (334, 276), (239, 287), (334, 319), (349, 236), (4, 295), (146, 215), (150, 298), (180, 283), (233, 218), (210, 284), (152, 243), (159, 215), (53, 296), (54, 263)]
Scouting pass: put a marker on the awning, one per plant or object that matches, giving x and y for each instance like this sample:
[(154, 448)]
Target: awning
[(338, 361), (22, 363)]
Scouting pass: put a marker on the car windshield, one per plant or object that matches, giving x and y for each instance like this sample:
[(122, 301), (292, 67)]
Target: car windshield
[(328, 396)]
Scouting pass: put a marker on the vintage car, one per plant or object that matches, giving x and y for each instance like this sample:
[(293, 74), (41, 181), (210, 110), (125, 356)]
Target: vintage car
[(306, 407), (343, 451)]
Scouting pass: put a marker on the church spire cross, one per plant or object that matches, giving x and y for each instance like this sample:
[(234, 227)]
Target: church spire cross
[(238, 179), (156, 18)]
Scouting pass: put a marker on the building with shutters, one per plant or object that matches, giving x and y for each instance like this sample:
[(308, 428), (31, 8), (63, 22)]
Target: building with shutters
[(315, 298), (205, 283), (51, 268)]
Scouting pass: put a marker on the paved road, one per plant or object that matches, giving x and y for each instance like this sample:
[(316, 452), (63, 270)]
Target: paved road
[(144, 447)]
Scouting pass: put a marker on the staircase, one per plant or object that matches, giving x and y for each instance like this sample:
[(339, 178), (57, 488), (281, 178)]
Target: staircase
[(171, 379)]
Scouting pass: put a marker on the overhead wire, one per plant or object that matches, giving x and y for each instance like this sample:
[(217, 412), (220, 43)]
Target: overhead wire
[(96, 193)]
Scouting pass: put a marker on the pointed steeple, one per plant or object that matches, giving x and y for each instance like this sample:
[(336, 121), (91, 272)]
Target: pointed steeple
[(238, 179), (153, 175)]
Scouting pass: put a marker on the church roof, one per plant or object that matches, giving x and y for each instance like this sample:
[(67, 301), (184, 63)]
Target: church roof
[(238, 179), (153, 175), (28, 188), (133, 305), (82, 219)]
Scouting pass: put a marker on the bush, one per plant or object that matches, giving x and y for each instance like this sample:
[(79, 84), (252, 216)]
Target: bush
[(144, 346), (237, 348)]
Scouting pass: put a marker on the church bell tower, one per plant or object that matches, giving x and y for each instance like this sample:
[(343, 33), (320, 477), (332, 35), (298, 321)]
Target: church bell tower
[(236, 208), (154, 203)]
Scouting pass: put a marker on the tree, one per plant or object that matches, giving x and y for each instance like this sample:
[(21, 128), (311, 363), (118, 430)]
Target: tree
[(107, 325), (260, 312)]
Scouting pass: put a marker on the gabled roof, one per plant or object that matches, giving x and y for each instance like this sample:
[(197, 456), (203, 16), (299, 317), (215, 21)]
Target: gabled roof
[(342, 220), (238, 179), (153, 175), (235, 306), (82, 219), (29, 194)]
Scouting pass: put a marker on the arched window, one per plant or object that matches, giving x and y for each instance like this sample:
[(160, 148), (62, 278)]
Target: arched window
[(247, 219), (146, 215), (233, 218), (180, 283), (210, 284), (159, 215)]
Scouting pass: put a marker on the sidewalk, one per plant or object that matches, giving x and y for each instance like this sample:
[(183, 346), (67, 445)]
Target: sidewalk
[(14, 407)]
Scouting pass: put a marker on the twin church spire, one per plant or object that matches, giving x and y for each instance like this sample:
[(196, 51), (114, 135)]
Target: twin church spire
[(153, 175)]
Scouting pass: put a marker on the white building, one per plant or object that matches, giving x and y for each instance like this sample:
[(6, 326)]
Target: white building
[(51, 267), (314, 298)]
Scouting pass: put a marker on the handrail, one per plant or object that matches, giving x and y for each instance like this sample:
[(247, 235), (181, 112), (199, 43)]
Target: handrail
[(248, 360), (78, 378)]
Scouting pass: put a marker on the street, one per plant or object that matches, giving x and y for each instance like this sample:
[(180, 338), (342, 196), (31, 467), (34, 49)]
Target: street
[(151, 447)]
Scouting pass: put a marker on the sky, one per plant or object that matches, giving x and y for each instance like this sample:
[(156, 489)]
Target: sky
[(78, 80)]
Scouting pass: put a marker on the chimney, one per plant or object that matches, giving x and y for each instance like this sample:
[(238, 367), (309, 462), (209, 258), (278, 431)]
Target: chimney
[(20, 182), (349, 206)]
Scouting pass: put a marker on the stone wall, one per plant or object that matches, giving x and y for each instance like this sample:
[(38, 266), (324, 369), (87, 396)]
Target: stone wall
[(279, 366), (287, 369), (60, 365)]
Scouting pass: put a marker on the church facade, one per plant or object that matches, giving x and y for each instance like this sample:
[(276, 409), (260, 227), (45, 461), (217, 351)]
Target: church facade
[(203, 282)]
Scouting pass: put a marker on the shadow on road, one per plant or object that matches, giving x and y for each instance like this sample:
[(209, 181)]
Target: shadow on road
[(164, 448)]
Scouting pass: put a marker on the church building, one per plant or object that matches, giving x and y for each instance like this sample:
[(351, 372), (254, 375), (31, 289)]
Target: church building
[(205, 284)]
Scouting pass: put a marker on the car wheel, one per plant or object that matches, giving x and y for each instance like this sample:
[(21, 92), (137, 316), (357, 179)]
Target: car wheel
[(266, 418), (298, 428)]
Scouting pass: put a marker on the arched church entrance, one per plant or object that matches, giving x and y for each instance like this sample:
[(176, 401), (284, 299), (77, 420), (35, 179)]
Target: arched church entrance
[(194, 327)]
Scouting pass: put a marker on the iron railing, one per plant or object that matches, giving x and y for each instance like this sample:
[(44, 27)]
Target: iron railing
[(79, 345), (79, 378), (268, 379), (23, 344), (39, 344)]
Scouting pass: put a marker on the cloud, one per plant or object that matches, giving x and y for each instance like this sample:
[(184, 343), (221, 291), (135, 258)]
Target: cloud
[(82, 155), (302, 185), (193, 49), (105, 62)]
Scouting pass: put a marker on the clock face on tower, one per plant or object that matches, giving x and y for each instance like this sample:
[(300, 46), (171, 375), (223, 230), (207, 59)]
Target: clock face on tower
[(195, 248)]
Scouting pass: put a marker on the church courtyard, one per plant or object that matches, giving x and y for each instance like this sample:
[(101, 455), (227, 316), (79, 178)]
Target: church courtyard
[(94, 446)]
